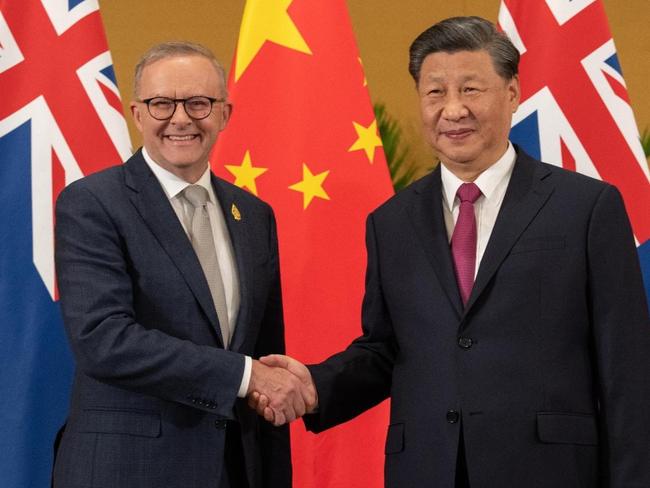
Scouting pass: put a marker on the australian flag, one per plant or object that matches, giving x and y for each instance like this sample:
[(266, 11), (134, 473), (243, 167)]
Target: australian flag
[(60, 118), (575, 110)]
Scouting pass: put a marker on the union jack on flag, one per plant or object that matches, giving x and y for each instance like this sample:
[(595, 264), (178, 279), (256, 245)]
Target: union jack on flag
[(60, 118), (575, 110)]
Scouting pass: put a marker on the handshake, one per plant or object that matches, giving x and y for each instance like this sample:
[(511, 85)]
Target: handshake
[(281, 389)]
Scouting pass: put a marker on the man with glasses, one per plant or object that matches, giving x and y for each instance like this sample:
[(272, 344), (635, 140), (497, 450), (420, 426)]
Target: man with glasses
[(169, 286)]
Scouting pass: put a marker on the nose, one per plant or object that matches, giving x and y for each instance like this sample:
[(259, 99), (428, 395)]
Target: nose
[(180, 115), (454, 108)]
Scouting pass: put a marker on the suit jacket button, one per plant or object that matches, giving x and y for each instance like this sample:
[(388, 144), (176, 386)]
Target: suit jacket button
[(453, 416), (465, 342), (220, 424)]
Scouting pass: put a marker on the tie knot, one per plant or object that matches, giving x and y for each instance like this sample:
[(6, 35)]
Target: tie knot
[(468, 192), (196, 195)]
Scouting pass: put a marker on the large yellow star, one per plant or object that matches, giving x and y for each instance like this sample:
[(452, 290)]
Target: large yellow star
[(311, 186), (368, 139), (266, 20), (246, 173)]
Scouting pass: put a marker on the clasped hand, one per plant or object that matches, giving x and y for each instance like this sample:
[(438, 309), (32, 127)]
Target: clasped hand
[(281, 389)]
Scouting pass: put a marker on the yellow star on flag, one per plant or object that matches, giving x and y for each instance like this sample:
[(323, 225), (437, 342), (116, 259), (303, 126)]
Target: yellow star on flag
[(266, 20), (368, 139), (246, 173), (311, 186)]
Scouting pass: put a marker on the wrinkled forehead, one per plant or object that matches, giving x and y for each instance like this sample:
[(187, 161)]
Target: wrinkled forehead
[(181, 73)]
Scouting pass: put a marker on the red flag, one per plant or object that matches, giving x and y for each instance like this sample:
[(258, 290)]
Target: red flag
[(303, 137), (60, 118), (575, 110)]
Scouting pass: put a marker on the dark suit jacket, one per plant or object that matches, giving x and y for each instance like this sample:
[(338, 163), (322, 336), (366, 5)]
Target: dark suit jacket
[(154, 387), (545, 370)]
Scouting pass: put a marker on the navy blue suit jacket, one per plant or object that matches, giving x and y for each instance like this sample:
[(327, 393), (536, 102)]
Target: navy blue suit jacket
[(154, 386), (546, 368)]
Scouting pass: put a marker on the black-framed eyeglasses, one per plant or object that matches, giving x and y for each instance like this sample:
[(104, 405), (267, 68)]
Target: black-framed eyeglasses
[(163, 108)]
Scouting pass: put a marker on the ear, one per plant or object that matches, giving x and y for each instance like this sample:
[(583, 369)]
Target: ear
[(514, 92), (137, 114), (226, 113)]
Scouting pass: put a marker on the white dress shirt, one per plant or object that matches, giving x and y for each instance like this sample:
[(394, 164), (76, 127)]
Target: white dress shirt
[(493, 183), (173, 187)]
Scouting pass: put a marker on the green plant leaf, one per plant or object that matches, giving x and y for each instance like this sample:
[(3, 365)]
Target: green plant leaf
[(645, 142), (401, 167)]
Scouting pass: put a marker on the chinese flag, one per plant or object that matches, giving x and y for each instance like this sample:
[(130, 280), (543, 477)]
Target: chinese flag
[(304, 138)]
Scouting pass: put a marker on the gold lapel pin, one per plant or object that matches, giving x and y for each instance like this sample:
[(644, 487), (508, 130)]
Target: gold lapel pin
[(235, 212)]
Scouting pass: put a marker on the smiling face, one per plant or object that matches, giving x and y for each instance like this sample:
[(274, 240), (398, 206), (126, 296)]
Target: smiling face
[(181, 144), (466, 110)]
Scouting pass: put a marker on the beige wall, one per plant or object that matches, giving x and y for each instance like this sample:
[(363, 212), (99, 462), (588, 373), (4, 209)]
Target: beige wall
[(384, 30)]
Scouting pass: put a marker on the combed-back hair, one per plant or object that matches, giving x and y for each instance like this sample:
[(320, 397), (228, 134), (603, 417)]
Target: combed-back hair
[(171, 49), (465, 34)]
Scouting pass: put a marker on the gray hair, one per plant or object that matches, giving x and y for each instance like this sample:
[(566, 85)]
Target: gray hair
[(465, 34), (173, 49)]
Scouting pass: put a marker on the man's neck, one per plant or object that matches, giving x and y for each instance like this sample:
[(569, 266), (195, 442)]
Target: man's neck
[(468, 172)]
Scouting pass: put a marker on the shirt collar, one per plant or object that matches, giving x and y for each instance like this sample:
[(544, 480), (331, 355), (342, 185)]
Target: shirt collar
[(173, 185), (487, 181)]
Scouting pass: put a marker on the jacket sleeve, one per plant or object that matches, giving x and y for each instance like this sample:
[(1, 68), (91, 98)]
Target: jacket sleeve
[(621, 331), (96, 286)]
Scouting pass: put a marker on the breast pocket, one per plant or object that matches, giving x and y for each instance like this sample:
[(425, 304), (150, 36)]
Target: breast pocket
[(542, 243)]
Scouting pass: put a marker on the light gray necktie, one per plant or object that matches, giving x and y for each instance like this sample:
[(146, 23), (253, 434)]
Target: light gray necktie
[(203, 243)]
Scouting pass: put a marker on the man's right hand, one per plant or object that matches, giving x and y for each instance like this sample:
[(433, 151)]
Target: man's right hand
[(281, 389)]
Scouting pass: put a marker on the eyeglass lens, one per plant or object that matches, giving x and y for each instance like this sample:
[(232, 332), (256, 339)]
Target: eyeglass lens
[(163, 108)]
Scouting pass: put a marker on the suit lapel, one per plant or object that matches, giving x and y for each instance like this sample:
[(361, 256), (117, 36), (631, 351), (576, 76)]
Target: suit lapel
[(428, 221), (527, 193), (237, 221), (153, 206)]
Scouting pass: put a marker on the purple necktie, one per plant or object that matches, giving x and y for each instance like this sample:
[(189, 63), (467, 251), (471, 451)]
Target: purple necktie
[(463, 240)]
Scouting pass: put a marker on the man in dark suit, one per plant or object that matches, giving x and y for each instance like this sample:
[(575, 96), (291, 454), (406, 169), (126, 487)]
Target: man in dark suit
[(169, 286), (504, 312)]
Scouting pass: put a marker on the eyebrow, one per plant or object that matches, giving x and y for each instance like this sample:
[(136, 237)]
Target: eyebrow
[(471, 77)]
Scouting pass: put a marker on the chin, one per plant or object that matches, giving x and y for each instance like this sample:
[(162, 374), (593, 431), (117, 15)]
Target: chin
[(458, 157), (183, 158)]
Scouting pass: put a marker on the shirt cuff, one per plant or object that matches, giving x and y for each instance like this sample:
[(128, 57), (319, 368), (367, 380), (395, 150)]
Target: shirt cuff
[(246, 378)]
